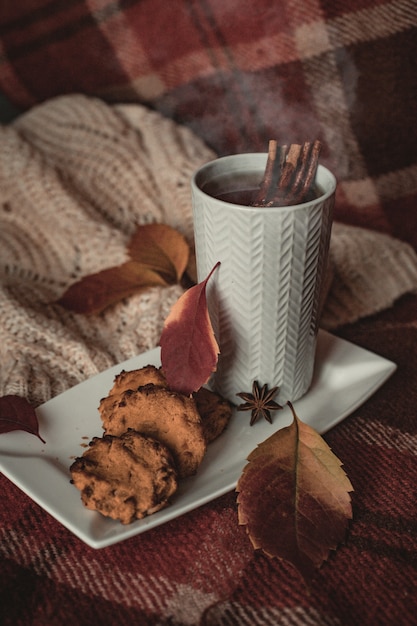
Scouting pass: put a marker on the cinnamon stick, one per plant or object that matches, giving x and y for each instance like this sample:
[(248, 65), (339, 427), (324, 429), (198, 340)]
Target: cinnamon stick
[(289, 174)]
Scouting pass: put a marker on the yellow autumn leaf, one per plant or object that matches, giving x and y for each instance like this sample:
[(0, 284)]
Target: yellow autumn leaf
[(294, 497)]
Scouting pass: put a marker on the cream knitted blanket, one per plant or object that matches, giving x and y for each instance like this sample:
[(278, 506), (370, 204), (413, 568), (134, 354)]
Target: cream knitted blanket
[(76, 177)]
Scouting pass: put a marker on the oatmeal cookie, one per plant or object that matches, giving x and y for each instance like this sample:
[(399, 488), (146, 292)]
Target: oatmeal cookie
[(126, 477), (169, 417)]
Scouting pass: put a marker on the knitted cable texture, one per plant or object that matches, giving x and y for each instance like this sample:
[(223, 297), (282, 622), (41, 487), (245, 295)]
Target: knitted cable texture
[(76, 177)]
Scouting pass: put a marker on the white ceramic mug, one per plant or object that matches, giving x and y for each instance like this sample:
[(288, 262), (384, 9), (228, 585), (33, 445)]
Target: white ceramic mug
[(264, 299)]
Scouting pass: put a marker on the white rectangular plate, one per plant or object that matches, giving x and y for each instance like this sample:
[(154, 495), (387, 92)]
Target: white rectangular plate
[(345, 376)]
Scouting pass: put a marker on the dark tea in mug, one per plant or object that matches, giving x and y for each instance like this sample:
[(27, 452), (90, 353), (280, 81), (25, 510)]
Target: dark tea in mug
[(242, 189)]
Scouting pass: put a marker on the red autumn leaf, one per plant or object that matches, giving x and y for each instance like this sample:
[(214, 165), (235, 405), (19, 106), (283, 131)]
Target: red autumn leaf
[(17, 414), (95, 292), (162, 249), (293, 497), (189, 350)]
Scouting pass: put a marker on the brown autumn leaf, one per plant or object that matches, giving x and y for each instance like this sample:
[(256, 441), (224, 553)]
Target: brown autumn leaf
[(17, 414), (95, 292), (159, 255), (293, 497), (160, 248), (189, 350)]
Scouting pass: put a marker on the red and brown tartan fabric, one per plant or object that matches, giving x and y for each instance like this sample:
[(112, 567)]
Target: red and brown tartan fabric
[(200, 568), (238, 73)]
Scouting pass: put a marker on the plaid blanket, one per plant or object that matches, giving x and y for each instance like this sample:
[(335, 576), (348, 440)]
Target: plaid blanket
[(239, 73)]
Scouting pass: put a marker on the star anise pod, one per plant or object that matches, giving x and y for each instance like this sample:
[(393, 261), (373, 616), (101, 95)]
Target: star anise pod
[(260, 402)]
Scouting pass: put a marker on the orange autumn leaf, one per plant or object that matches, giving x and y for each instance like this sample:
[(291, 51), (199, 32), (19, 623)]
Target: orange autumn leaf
[(161, 248), (158, 254), (189, 349), (95, 292), (293, 497)]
